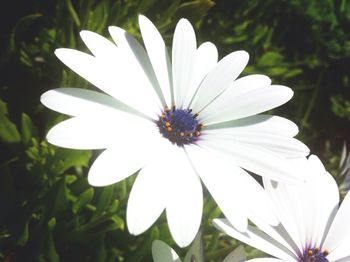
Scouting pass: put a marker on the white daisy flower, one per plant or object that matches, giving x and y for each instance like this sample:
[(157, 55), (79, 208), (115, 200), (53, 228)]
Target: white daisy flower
[(312, 226), (175, 121)]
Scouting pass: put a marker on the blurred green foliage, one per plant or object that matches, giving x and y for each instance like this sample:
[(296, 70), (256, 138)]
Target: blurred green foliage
[(49, 212)]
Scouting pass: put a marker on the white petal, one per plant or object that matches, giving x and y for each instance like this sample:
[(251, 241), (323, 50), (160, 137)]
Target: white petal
[(184, 209), (100, 131), (220, 78), (285, 146), (306, 225), (238, 87), (161, 252), (115, 77), (206, 58), (99, 45), (255, 238), (278, 233), (82, 133), (183, 59), (245, 104), (80, 102), (288, 214), (137, 58), (86, 66), (341, 253), (255, 159), (259, 123), (345, 259), (237, 194), (116, 164), (158, 55), (339, 230), (147, 199), (325, 205)]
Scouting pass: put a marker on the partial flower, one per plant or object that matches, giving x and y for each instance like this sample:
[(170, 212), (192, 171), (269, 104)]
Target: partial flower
[(344, 170), (162, 252), (313, 228), (175, 121)]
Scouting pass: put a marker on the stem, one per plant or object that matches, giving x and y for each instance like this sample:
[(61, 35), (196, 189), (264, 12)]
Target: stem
[(312, 101)]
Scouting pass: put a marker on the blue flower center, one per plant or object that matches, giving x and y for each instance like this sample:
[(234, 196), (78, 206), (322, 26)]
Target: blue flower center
[(180, 126), (314, 255)]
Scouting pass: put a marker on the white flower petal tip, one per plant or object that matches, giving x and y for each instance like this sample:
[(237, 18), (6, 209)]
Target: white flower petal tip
[(79, 102), (183, 22), (115, 30), (147, 25), (96, 181), (143, 19), (78, 133), (158, 56), (89, 36), (219, 79), (99, 46), (183, 59), (161, 252), (184, 210), (183, 241), (62, 53), (287, 91), (45, 97), (147, 199), (111, 166), (244, 55)]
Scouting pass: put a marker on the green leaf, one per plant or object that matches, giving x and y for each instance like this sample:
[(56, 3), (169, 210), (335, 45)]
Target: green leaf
[(168, 13), (23, 238), (104, 200), (73, 13), (50, 249), (28, 130), (67, 158), (293, 73), (101, 252), (119, 222), (58, 198), (23, 22), (270, 58), (52, 223), (70, 179), (83, 199), (8, 130), (145, 6), (194, 10), (146, 245)]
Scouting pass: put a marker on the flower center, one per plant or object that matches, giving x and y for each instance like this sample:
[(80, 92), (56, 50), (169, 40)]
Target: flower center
[(314, 255), (180, 126)]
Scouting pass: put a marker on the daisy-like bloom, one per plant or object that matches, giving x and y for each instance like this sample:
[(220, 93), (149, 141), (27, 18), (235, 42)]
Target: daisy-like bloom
[(175, 122), (313, 228)]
